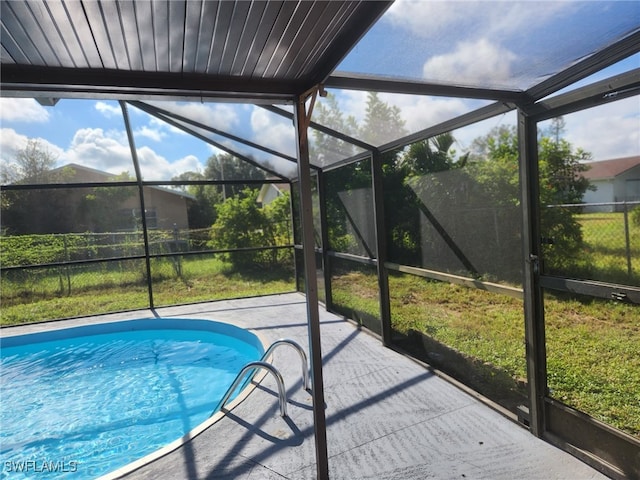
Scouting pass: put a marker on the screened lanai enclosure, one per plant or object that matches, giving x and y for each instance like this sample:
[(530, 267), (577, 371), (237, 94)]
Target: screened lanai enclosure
[(422, 168)]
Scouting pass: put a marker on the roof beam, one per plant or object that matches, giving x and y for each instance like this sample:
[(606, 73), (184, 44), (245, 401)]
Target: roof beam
[(478, 115), (369, 83), (323, 129), (611, 89), (48, 82), (152, 110), (461, 121), (177, 124), (590, 65)]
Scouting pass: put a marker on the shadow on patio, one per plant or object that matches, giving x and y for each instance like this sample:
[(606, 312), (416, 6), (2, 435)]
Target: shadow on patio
[(387, 416)]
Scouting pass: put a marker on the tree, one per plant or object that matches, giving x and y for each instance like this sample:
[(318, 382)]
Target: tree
[(495, 168), (416, 187), (432, 155), (493, 161), (401, 211), (561, 166), (228, 167), (201, 211), (382, 122), (325, 147), (95, 210), (278, 231), (35, 210), (339, 184), (33, 164), (242, 224)]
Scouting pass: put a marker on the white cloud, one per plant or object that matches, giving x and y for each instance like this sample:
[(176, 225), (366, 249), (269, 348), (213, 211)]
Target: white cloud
[(151, 133), (609, 131), (478, 42), (110, 152), (424, 19), (422, 112), (353, 103), (189, 163), (437, 19), (157, 124), (109, 110), (472, 63), (10, 143), (272, 132), (95, 148), (22, 110), (156, 167), (220, 116), (214, 150)]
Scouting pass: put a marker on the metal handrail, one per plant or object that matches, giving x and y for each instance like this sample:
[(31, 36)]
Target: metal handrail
[(255, 366), (303, 357), (262, 363)]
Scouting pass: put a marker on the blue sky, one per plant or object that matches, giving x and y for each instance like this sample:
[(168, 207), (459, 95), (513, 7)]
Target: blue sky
[(423, 40), (92, 133), (511, 44)]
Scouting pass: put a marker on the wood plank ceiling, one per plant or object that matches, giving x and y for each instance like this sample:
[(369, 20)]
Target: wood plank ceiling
[(179, 49)]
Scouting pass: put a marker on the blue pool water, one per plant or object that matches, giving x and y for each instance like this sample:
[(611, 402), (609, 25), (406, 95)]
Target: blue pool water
[(82, 402)]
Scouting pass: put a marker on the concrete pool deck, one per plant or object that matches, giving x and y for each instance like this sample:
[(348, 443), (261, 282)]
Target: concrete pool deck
[(388, 417)]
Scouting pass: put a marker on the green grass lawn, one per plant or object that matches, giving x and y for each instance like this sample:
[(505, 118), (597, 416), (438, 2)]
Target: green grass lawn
[(593, 346), (46, 295), (593, 358), (606, 255)]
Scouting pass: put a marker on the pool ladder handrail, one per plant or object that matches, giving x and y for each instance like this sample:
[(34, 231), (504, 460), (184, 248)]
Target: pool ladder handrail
[(263, 364)]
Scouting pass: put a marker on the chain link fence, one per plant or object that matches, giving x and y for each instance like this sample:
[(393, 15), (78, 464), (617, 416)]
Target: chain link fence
[(610, 242), (64, 275)]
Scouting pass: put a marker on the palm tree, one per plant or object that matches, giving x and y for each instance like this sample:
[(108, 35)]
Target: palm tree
[(433, 155)]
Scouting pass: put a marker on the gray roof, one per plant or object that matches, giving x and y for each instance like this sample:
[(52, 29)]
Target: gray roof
[(261, 50), (607, 169)]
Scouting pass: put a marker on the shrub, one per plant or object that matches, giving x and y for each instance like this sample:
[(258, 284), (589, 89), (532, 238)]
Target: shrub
[(242, 224)]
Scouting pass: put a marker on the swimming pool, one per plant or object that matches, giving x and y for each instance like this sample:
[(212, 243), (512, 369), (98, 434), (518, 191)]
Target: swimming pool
[(84, 401)]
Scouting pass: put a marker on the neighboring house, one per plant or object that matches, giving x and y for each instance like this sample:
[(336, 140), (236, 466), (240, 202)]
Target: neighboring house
[(616, 180), (165, 208), (270, 191)]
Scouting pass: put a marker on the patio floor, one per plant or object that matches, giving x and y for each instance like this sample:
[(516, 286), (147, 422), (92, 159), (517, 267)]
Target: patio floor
[(387, 416)]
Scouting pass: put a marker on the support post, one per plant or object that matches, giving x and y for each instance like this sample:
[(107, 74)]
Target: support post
[(292, 209), (324, 236), (145, 232), (302, 119), (533, 300), (381, 246)]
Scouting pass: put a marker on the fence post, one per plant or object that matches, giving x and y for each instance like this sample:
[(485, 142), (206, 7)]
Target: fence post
[(177, 260), (627, 238), (66, 267)]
